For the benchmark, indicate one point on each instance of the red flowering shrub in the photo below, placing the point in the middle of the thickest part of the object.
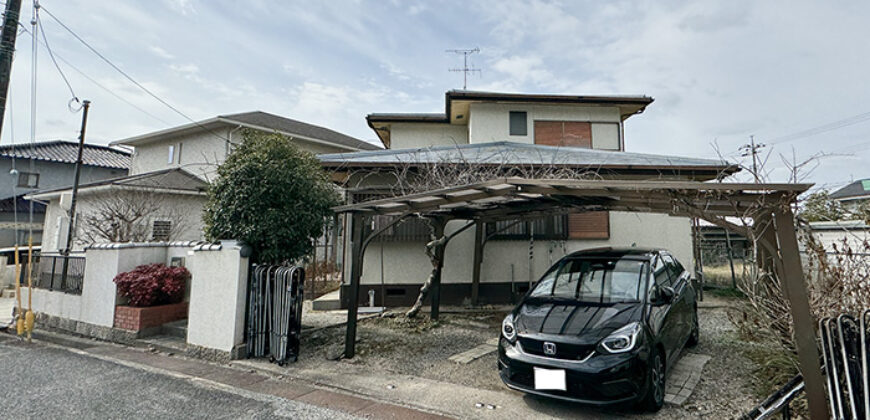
(153, 284)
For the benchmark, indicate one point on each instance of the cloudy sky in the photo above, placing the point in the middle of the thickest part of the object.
(719, 71)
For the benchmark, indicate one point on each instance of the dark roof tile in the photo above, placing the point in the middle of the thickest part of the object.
(860, 188)
(290, 126)
(67, 151)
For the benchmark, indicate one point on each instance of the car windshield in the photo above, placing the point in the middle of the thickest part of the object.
(594, 280)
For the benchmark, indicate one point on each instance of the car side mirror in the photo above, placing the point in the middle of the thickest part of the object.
(666, 294)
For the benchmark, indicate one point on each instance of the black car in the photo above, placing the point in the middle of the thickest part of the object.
(601, 327)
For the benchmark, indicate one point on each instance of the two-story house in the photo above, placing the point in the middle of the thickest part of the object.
(508, 131)
(169, 172)
(27, 167)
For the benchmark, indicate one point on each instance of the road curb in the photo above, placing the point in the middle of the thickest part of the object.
(247, 382)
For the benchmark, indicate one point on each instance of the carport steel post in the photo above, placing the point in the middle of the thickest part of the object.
(517, 198)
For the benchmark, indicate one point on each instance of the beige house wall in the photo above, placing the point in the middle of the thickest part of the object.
(504, 261)
(201, 153)
(490, 122)
(416, 135)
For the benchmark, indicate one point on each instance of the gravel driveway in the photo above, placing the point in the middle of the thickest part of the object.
(421, 348)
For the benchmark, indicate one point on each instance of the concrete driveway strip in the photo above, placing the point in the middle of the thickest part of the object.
(48, 382)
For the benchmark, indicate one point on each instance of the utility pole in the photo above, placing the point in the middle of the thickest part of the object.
(7, 50)
(86, 104)
(465, 69)
(752, 149)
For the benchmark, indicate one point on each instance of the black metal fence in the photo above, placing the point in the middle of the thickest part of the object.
(48, 273)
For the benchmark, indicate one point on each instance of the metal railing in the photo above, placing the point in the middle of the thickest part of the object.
(48, 273)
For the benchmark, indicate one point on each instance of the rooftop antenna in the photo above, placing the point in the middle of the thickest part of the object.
(465, 69)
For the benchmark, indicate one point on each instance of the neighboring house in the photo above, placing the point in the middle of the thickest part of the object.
(581, 133)
(200, 147)
(172, 167)
(28, 167)
(170, 201)
(853, 195)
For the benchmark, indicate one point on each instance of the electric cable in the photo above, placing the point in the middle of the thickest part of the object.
(132, 80)
(100, 85)
(62, 75)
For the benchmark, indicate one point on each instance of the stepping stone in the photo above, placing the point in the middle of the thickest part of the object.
(684, 377)
(469, 356)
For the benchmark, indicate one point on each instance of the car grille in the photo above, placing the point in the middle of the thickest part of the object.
(564, 351)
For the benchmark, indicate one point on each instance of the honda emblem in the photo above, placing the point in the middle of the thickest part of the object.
(549, 348)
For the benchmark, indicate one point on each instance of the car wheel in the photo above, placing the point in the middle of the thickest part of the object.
(695, 336)
(655, 394)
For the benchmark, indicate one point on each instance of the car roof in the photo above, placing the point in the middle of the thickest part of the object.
(616, 252)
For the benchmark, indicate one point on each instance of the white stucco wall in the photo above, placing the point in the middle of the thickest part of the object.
(96, 304)
(216, 315)
(408, 135)
(406, 262)
(490, 122)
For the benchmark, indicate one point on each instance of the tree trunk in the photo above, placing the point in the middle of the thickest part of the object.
(435, 251)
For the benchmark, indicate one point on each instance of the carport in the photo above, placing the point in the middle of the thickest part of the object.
(768, 206)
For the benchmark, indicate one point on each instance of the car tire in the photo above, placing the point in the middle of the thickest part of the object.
(655, 393)
(695, 336)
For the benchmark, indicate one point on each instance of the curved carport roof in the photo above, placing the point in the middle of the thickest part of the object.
(768, 205)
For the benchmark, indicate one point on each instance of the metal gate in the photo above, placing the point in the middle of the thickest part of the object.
(274, 316)
(844, 341)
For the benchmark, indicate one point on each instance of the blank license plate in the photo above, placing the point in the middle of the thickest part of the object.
(552, 379)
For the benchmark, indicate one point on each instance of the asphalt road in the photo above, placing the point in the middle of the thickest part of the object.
(40, 381)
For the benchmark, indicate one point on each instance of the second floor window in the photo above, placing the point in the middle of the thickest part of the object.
(518, 123)
(28, 180)
(171, 154)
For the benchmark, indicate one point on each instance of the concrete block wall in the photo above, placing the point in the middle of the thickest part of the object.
(216, 316)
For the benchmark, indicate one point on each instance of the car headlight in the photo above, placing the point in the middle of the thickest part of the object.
(623, 339)
(508, 330)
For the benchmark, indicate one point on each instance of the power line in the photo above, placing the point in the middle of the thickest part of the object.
(100, 85)
(51, 55)
(845, 122)
(130, 78)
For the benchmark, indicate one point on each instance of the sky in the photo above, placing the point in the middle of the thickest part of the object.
(720, 72)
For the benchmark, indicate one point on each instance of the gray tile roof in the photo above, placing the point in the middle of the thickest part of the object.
(174, 179)
(67, 151)
(287, 125)
(860, 188)
(520, 154)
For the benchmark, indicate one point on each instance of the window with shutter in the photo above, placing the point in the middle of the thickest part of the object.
(563, 133)
(589, 225)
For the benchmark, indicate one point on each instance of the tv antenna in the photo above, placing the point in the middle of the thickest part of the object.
(465, 69)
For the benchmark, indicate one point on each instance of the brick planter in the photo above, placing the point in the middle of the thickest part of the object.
(137, 319)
